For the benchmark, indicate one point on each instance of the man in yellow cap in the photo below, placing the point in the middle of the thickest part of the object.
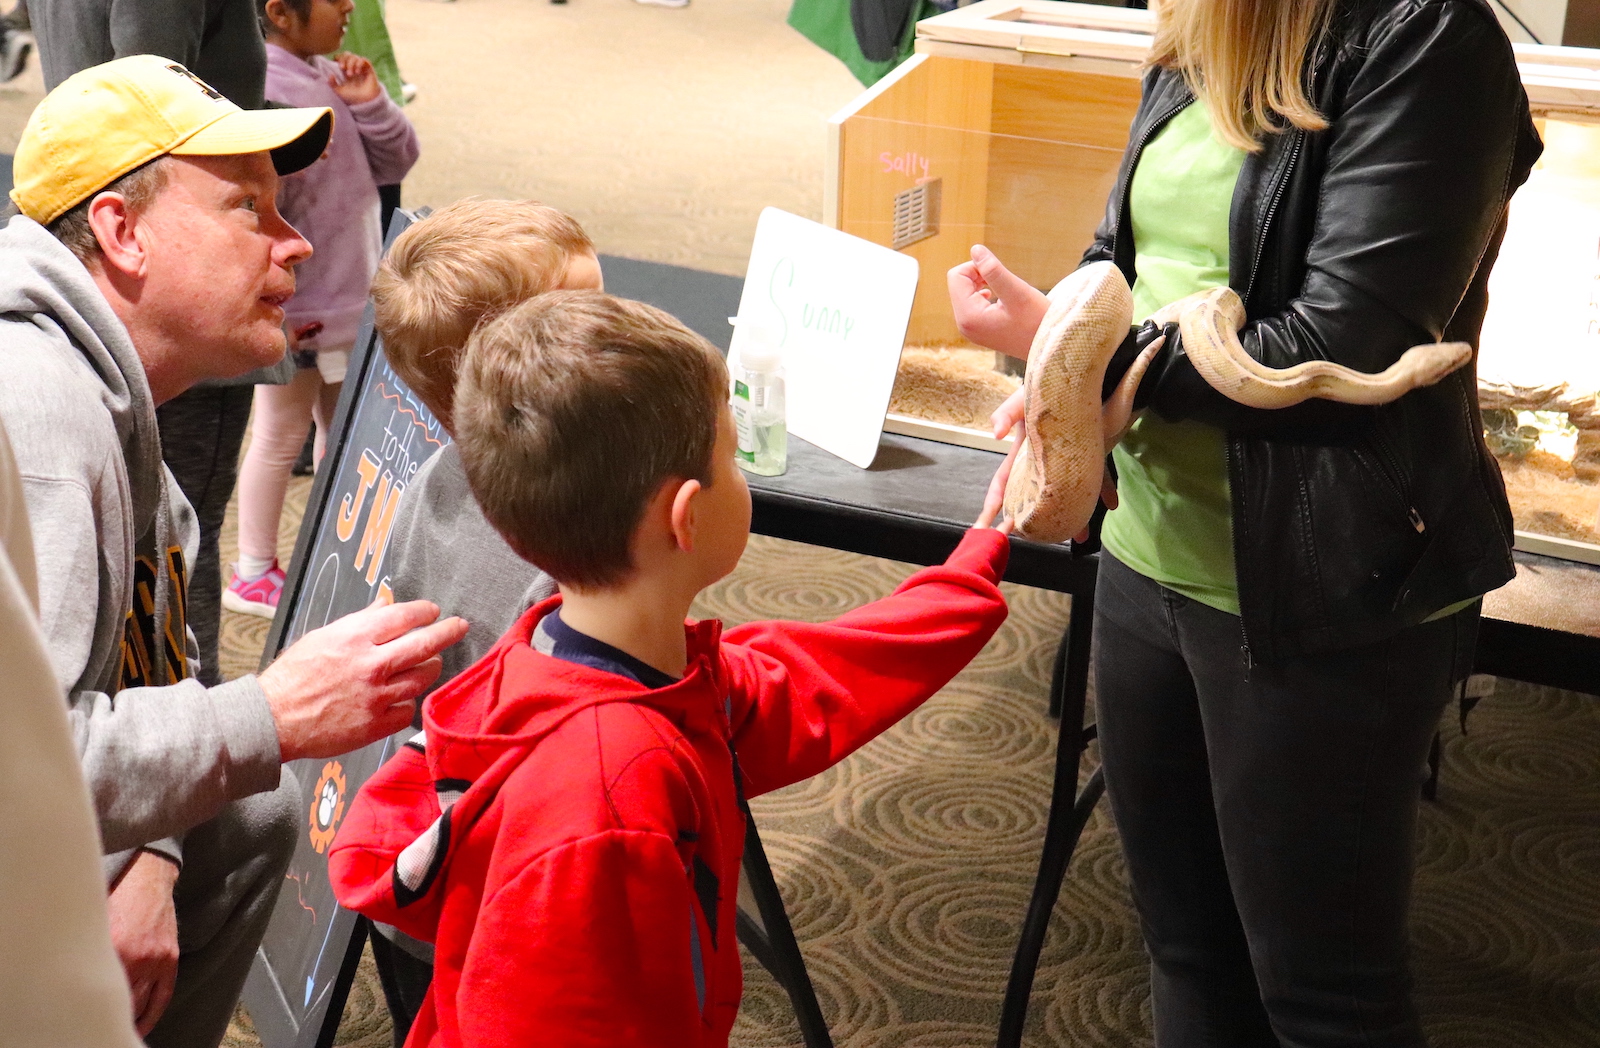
(149, 256)
(203, 429)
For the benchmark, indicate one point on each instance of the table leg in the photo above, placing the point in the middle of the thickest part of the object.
(1069, 682)
(1058, 671)
(1069, 813)
(774, 945)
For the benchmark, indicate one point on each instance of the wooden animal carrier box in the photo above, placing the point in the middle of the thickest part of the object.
(1006, 128)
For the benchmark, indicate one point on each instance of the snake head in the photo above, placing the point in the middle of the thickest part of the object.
(1434, 360)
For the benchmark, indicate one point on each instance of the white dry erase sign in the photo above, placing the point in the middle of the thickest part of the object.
(839, 306)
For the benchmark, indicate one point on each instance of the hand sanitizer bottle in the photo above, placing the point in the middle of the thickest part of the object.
(758, 410)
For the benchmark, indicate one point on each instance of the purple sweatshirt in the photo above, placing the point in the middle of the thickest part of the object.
(334, 202)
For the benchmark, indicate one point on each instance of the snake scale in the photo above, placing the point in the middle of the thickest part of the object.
(1055, 481)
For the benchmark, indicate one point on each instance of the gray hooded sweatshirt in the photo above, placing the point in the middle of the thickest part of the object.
(161, 753)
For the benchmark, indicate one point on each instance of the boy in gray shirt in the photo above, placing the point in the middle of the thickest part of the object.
(461, 265)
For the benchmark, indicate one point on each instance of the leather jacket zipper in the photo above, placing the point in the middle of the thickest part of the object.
(1144, 139)
(1272, 209)
(1244, 636)
(1383, 465)
(1386, 454)
(1278, 190)
(1244, 647)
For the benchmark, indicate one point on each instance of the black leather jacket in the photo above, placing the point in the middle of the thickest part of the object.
(1352, 244)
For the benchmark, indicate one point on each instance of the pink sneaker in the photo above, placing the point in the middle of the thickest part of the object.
(257, 596)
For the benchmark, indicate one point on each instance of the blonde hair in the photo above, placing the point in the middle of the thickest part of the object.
(453, 270)
(1246, 59)
(575, 407)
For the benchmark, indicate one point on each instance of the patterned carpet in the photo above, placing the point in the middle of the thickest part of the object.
(906, 869)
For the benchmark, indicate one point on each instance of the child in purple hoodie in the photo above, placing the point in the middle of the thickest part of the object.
(334, 203)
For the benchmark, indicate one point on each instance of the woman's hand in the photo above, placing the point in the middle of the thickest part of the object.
(1007, 418)
(994, 505)
(1108, 495)
(987, 517)
(993, 306)
(1117, 414)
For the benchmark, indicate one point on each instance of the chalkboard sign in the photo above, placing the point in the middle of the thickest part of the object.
(381, 434)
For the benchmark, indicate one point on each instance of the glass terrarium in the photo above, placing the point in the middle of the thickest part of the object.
(1539, 363)
(961, 145)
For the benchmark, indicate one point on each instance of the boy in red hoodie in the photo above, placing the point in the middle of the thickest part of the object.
(566, 829)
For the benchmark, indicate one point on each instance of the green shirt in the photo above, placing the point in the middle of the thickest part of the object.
(1174, 523)
(367, 35)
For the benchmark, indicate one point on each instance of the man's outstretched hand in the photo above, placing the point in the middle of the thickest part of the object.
(993, 306)
(356, 680)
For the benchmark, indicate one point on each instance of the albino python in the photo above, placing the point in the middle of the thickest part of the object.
(1055, 481)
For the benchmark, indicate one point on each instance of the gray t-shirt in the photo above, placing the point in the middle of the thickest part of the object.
(442, 549)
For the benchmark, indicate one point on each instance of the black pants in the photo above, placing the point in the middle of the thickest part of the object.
(201, 432)
(1268, 816)
(405, 981)
(388, 200)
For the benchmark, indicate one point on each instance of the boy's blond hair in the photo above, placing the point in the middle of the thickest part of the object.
(456, 268)
(575, 407)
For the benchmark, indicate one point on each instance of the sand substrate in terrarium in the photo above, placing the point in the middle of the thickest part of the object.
(956, 386)
(1548, 499)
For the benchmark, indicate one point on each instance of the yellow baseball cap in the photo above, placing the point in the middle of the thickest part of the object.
(101, 123)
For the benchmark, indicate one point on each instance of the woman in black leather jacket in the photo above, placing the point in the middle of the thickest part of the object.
(1264, 748)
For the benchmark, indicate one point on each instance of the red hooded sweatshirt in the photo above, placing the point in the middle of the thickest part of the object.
(570, 840)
